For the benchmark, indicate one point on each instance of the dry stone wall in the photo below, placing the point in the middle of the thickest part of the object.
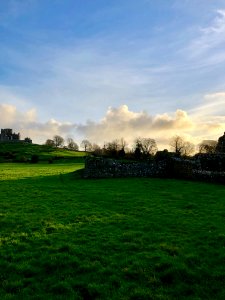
(107, 168)
(194, 169)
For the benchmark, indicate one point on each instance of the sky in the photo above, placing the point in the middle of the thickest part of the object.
(103, 70)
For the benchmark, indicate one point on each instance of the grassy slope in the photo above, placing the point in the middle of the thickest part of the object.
(63, 237)
(22, 150)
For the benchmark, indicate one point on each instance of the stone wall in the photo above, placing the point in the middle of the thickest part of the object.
(98, 167)
(211, 162)
(173, 167)
(204, 167)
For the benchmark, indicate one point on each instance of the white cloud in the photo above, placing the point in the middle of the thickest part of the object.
(9, 115)
(120, 122)
(211, 106)
(210, 38)
(203, 123)
(27, 124)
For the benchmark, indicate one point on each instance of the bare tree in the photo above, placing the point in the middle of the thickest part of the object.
(96, 149)
(146, 146)
(149, 146)
(86, 145)
(58, 140)
(207, 146)
(113, 146)
(180, 146)
(177, 144)
(188, 149)
(50, 143)
(72, 145)
(137, 143)
(122, 144)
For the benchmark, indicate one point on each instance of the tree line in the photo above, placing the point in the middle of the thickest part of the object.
(142, 147)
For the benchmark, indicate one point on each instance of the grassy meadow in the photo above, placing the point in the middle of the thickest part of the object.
(23, 152)
(64, 237)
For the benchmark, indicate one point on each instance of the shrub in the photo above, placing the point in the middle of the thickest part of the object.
(22, 159)
(34, 159)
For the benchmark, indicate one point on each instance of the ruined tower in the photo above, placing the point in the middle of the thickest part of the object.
(8, 135)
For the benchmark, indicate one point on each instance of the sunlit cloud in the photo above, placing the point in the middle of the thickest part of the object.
(121, 122)
(204, 122)
(28, 124)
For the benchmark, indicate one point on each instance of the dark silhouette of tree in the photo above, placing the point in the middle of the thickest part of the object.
(28, 140)
(121, 153)
(177, 144)
(96, 149)
(115, 148)
(72, 145)
(146, 146)
(208, 147)
(181, 147)
(221, 144)
(58, 140)
(50, 143)
(149, 146)
(111, 148)
(188, 149)
(162, 155)
(86, 145)
(137, 153)
(122, 144)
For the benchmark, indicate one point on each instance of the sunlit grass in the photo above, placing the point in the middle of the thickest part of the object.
(63, 237)
(22, 152)
(35, 170)
(67, 153)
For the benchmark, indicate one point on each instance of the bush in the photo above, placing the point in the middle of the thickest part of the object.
(163, 155)
(22, 159)
(34, 159)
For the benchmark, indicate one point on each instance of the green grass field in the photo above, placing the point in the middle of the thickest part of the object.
(21, 152)
(64, 237)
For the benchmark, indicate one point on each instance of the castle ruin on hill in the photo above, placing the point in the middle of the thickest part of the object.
(7, 135)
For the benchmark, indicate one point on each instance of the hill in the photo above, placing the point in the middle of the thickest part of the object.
(23, 152)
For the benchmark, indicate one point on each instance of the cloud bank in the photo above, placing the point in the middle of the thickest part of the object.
(27, 124)
(207, 121)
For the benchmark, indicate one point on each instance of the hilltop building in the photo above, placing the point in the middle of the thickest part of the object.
(7, 135)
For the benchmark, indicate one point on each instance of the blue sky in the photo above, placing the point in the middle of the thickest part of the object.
(102, 69)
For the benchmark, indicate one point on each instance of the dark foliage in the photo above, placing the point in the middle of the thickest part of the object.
(34, 159)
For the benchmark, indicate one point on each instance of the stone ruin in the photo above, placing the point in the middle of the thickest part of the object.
(7, 135)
